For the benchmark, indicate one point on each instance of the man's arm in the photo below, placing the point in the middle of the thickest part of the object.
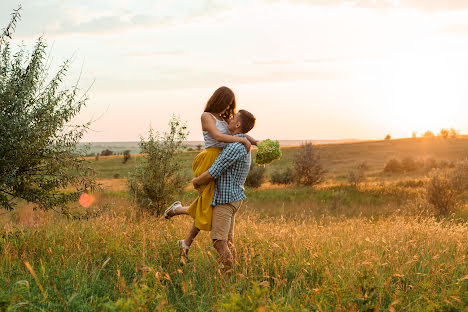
(231, 153)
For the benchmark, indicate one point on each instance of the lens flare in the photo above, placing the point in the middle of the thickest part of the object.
(86, 200)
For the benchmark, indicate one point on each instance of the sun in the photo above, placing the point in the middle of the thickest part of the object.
(418, 91)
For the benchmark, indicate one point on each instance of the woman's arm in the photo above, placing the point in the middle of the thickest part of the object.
(252, 140)
(209, 124)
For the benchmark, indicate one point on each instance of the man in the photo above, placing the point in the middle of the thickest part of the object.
(229, 172)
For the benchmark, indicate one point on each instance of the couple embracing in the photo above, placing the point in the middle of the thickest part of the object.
(220, 172)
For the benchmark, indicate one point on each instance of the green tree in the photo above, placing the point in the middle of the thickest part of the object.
(160, 178)
(39, 153)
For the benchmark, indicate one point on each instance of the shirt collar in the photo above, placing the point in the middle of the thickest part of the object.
(239, 135)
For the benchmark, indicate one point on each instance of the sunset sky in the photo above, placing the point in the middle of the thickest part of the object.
(316, 69)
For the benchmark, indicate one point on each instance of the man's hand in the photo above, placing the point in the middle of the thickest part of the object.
(196, 186)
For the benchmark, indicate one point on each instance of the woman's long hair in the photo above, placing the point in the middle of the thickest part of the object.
(222, 98)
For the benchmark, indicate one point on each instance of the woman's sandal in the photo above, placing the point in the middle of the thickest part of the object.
(173, 209)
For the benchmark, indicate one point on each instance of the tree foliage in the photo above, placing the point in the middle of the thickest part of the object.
(159, 178)
(39, 155)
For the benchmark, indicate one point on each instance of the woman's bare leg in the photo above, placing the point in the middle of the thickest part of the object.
(191, 235)
(178, 211)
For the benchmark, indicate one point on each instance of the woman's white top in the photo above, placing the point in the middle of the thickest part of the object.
(222, 127)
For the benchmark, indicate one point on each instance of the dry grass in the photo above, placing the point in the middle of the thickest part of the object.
(325, 264)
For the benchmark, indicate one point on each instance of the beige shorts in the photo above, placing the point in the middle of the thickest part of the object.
(222, 221)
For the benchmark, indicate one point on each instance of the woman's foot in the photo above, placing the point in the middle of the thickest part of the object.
(183, 251)
(171, 211)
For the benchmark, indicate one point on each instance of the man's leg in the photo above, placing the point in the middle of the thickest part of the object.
(230, 242)
(220, 225)
(222, 232)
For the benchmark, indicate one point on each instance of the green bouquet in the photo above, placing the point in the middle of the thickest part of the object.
(268, 151)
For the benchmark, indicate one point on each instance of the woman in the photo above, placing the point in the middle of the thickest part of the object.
(220, 107)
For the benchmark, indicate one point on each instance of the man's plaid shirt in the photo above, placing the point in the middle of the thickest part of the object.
(230, 171)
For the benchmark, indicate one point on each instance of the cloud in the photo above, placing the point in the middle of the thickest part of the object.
(457, 30)
(424, 5)
(155, 53)
(187, 79)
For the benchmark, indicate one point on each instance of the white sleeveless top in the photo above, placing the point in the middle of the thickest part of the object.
(222, 127)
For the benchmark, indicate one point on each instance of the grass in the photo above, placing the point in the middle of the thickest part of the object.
(122, 262)
(330, 248)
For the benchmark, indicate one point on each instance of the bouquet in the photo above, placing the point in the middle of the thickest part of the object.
(268, 151)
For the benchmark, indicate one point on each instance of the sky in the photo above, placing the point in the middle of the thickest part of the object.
(307, 69)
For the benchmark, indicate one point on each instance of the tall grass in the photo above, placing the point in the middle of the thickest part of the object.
(123, 262)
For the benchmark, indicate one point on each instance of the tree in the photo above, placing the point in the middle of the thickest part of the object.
(388, 137)
(414, 135)
(454, 133)
(159, 178)
(107, 152)
(39, 152)
(126, 156)
(444, 133)
(199, 147)
(428, 134)
(307, 165)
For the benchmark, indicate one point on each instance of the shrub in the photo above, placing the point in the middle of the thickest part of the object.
(199, 147)
(357, 175)
(307, 165)
(445, 188)
(159, 178)
(107, 152)
(388, 137)
(285, 176)
(256, 176)
(116, 175)
(408, 164)
(39, 143)
(393, 166)
(414, 135)
(126, 156)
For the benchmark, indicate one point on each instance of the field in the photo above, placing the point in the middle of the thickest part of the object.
(334, 247)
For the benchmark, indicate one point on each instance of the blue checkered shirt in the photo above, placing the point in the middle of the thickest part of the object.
(230, 171)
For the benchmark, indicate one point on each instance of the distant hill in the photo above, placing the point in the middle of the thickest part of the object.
(119, 147)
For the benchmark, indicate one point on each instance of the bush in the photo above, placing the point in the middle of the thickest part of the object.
(408, 164)
(307, 165)
(126, 156)
(388, 137)
(393, 166)
(445, 188)
(357, 175)
(256, 176)
(159, 178)
(107, 152)
(285, 176)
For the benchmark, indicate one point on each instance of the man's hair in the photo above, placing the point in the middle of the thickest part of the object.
(247, 120)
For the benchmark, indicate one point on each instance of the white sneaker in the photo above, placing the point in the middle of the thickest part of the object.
(173, 209)
(183, 252)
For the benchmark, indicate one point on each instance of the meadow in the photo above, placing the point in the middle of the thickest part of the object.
(334, 247)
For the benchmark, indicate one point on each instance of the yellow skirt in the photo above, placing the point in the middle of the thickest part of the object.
(201, 209)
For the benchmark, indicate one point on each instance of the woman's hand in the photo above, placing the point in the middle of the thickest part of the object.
(247, 144)
(196, 186)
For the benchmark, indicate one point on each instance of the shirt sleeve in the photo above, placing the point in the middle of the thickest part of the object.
(230, 154)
